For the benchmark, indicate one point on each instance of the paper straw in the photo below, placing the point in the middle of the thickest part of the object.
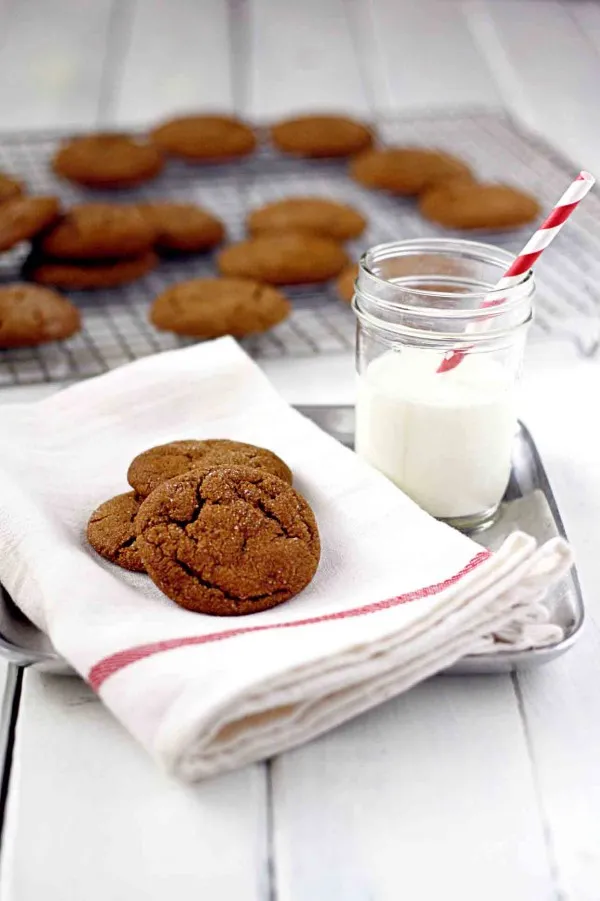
(536, 245)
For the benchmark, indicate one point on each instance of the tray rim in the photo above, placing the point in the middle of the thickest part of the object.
(509, 661)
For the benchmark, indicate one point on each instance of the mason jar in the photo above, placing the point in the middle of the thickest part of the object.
(439, 353)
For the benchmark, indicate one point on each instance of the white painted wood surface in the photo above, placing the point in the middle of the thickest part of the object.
(104, 823)
(465, 789)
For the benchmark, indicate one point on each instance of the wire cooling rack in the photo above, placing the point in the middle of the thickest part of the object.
(116, 329)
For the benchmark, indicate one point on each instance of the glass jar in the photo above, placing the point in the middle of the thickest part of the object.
(439, 354)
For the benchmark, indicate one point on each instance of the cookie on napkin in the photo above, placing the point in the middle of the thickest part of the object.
(397, 596)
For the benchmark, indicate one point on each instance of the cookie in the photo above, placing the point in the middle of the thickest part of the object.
(107, 161)
(406, 170)
(204, 139)
(344, 284)
(228, 541)
(22, 218)
(182, 227)
(9, 188)
(321, 136)
(155, 466)
(30, 315)
(465, 206)
(315, 215)
(111, 531)
(81, 275)
(289, 258)
(212, 307)
(94, 231)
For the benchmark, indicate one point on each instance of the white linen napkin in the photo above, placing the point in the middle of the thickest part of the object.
(397, 597)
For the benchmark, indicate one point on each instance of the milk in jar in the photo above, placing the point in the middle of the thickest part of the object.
(444, 438)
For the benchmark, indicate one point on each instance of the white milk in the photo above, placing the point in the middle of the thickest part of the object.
(444, 438)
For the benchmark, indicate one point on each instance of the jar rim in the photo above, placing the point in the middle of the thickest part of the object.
(474, 250)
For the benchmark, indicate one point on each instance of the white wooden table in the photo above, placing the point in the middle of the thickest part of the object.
(470, 788)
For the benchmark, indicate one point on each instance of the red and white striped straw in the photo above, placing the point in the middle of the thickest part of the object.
(538, 242)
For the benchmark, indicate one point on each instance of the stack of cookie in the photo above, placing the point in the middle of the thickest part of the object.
(216, 525)
(102, 245)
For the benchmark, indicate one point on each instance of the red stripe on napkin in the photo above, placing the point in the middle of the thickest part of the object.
(101, 671)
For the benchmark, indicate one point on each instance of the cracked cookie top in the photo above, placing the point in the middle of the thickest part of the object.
(228, 541)
(111, 531)
(154, 466)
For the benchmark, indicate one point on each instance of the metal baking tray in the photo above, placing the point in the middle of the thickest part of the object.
(529, 505)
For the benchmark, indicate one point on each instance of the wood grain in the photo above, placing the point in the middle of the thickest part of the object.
(540, 49)
(177, 59)
(430, 796)
(562, 703)
(51, 62)
(301, 58)
(423, 55)
(90, 816)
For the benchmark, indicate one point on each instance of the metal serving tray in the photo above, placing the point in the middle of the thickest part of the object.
(529, 505)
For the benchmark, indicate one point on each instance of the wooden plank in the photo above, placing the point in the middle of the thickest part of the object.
(301, 58)
(547, 69)
(561, 703)
(90, 816)
(430, 796)
(177, 58)
(51, 62)
(586, 15)
(423, 55)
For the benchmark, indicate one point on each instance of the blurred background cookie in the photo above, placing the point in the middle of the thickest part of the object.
(204, 139)
(10, 187)
(406, 170)
(212, 307)
(344, 284)
(287, 258)
(30, 315)
(22, 218)
(107, 161)
(471, 205)
(81, 275)
(317, 215)
(182, 227)
(93, 231)
(321, 136)
(111, 531)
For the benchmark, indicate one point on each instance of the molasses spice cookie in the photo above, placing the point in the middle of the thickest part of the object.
(22, 218)
(228, 541)
(111, 531)
(83, 275)
(406, 170)
(182, 227)
(213, 307)
(316, 215)
(321, 136)
(478, 206)
(30, 315)
(204, 139)
(284, 259)
(107, 161)
(158, 464)
(93, 231)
